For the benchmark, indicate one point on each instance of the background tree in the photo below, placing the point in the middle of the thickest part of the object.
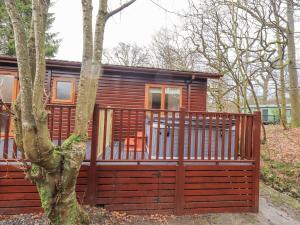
(127, 54)
(7, 44)
(53, 168)
(171, 50)
(279, 15)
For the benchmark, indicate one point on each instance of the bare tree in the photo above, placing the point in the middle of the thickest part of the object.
(171, 50)
(282, 20)
(54, 169)
(230, 43)
(127, 54)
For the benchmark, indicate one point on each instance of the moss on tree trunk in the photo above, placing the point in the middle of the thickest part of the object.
(57, 190)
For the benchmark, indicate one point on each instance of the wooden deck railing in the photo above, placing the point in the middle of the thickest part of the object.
(149, 161)
(123, 134)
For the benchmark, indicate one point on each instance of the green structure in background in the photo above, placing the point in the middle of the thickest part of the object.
(270, 113)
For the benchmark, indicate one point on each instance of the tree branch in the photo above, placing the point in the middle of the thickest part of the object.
(119, 9)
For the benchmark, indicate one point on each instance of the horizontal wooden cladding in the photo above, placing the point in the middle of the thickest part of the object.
(136, 174)
(137, 189)
(19, 195)
(129, 91)
(132, 200)
(139, 180)
(220, 188)
(198, 96)
(145, 206)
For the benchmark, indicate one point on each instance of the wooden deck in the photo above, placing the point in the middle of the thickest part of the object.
(194, 162)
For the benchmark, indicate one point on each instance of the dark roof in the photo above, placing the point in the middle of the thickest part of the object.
(63, 64)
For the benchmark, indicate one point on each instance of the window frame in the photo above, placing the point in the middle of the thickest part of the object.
(53, 90)
(163, 94)
(15, 91)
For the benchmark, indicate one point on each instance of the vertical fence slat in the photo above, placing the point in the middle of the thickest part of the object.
(190, 135)
(230, 136)
(69, 121)
(223, 137)
(217, 137)
(144, 135)
(51, 122)
(60, 125)
(242, 147)
(248, 141)
(210, 136)
(92, 184)
(112, 146)
(196, 135)
(203, 135)
(180, 171)
(158, 135)
(256, 156)
(128, 134)
(165, 135)
(135, 133)
(15, 150)
(173, 135)
(6, 136)
(121, 134)
(104, 134)
(151, 135)
(237, 136)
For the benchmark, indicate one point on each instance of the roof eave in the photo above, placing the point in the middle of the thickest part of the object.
(60, 64)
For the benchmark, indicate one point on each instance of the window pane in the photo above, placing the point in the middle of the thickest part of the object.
(154, 101)
(6, 88)
(172, 98)
(63, 90)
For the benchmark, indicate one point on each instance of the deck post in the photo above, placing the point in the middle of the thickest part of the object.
(256, 156)
(91, 190)
(180, 171)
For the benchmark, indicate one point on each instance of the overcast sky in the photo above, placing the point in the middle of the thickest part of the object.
(137, 24)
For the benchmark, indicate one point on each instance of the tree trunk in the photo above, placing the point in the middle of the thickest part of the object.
(264, 137)
(265, 89)
(57, 189)
(54, 169)
(282, 89)
(293, 77)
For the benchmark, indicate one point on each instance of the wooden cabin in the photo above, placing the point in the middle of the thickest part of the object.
(134, 87)
(153, 147)
(119, 87)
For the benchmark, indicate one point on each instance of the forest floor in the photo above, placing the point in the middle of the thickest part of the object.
(280, 167)
(275, 209)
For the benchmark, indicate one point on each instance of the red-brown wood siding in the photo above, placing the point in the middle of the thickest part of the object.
(129, 91)
(19, 195)
(198, 96)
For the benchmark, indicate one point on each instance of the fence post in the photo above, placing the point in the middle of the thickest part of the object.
(256, 156)
(91, 190)
(180, 170)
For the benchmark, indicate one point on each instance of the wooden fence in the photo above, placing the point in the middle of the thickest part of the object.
(150, 161)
